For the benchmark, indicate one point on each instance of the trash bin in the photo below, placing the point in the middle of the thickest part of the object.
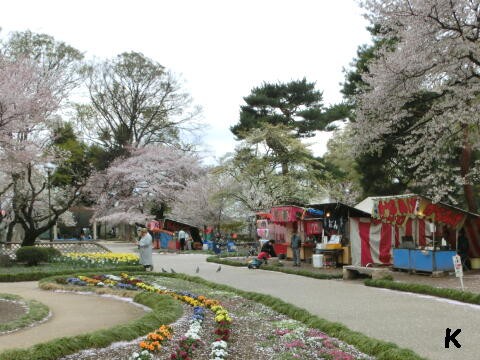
(475, 263)
(317, 260)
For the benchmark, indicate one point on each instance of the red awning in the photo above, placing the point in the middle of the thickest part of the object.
(398, 210)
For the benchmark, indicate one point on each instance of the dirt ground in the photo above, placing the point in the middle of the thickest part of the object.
(471, 279)
(10, 310)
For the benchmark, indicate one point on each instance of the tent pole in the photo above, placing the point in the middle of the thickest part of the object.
(416, 233)
(456, 240)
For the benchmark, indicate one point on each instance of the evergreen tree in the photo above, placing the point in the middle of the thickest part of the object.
(296, 106)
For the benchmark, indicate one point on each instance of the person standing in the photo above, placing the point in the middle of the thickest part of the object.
(295, 244)
(182, 235)
(188, 242)
(462, 249)
(145, 249)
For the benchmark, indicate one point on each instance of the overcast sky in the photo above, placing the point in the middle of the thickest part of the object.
(221, 49)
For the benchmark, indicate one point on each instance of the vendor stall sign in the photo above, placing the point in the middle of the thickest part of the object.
(153, 226)
(284, 214)
(457, 264)
(442, 214)
(397, 211)
(313, 227)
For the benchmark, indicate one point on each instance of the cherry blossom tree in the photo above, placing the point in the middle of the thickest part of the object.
(422, 92)
(29, 97)
(132, 188)
(206, 200)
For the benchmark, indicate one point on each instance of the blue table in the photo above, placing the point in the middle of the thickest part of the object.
(423, 260)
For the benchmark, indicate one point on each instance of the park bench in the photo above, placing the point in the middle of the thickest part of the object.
(351, 272)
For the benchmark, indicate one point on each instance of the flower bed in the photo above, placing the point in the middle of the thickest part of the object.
(99, 259)
(104, 280)
(257, 333)
(191, 340)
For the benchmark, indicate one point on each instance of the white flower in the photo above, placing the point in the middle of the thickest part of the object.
(219, 353)
(219, 344)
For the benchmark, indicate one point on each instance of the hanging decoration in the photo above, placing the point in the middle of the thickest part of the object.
(398, 210)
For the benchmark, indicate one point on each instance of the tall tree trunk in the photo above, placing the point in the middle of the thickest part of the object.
(29, 239)
(11, 226)
(465, 163)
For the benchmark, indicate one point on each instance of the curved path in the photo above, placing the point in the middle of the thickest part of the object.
(72, 314)
(410, 321)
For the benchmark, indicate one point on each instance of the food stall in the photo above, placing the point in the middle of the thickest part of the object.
(322, 229)
(164, 230)
(411, 232)
(334, 242)
(280, 222)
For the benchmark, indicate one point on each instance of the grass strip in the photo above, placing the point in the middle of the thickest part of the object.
(453, 294)
(165, 310)
(382, 350)
(40, 273)
(306, 273)
(36, 312)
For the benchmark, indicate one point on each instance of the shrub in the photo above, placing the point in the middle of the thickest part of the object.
(387, 277)
(5, 261)
(52, 253)
(32, 255)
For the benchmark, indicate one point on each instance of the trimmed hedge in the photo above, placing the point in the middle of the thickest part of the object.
(32, 255)
(452, 294)
(165, 310)
(307, 273)
(34, 276)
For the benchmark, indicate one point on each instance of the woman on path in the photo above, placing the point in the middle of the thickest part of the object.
(145, 249)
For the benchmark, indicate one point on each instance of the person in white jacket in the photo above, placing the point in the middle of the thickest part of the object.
(145, 249)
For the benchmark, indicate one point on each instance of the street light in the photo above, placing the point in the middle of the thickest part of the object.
(49, 167)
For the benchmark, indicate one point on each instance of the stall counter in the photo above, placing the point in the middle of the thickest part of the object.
(423, 260)
(306, 251)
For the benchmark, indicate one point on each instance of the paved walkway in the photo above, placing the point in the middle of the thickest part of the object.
(72, 314)
(410, 321)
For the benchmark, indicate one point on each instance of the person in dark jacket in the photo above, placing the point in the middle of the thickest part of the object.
(295, 244)
(462, 249)
(268, 248)
(267, 251)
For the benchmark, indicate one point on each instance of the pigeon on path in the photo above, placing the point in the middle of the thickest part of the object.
(163, 270)
(197, 270)
(219, 268)
(172, 271)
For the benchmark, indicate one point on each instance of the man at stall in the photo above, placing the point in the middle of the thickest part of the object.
(462, 249)
(295, 244)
